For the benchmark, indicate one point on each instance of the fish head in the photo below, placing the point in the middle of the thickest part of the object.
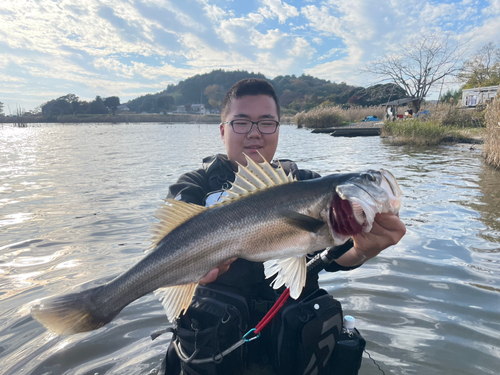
(357, 200)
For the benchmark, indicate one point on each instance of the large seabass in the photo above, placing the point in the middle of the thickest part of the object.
(266, 217)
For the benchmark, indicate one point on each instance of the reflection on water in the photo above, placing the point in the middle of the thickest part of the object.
(76, 202)
(489, 207)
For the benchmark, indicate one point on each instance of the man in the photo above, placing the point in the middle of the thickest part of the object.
(250, 125)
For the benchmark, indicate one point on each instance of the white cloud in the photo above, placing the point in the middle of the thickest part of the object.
(213, 11)
(302, 49)
(332, 52)
(321, 20)
(282, 10)
(236, 30)
(131, 47)
(267, 41)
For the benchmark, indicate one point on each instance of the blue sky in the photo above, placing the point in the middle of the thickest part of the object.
(49, 48)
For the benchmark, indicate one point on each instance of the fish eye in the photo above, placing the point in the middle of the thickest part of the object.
(368, 176)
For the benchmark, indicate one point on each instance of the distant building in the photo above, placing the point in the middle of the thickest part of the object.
(478, 95)
(199, 109)
(123, 108)
(180, 109)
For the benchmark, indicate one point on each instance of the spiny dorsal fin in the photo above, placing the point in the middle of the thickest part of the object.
(256, 176)
(176, 299)
(171, 214)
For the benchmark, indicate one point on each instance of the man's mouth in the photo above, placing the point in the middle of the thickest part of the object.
(253, 147)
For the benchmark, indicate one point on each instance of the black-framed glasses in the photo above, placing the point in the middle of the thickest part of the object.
(245, 126)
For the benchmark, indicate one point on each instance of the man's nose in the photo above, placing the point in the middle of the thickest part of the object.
(254, 132)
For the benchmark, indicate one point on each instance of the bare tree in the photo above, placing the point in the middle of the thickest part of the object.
(482, 68)
(421, 64)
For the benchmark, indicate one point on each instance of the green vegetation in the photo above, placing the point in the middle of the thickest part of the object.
(295, 94)
(447, 123)
(417, 132)
(112, 103)
(492, 140)
(71, 105)
(451, 97)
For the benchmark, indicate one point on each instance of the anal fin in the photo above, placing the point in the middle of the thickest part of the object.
(176, 299)
(292, 273)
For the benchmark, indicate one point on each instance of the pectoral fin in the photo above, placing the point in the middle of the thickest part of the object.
(291, 272)
(301, 221)
(176, 299)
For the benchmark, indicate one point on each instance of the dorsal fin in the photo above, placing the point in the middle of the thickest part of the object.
(256, 176)
(171, 214)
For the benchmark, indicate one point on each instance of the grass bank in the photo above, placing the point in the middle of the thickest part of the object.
(119, 118)
(491, 148)
(445, 124)
(327, 117)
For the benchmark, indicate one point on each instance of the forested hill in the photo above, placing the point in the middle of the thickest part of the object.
(295, 93)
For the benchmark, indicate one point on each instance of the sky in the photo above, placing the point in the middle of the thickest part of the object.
(128, 48)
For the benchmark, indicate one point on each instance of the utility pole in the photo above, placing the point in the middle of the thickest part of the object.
(439, 97)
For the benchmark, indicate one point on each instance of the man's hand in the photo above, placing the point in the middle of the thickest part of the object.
(387, 230)
(212, 275)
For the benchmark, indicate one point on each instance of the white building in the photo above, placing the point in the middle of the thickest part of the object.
(180, 109)
(479, 95)
(199, 109)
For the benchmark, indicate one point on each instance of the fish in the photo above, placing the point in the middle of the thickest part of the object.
(267, 216)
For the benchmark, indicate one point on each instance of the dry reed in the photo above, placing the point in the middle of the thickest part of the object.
(331, 116)
(450, 115)
(491, 148)
(415, 132)
(320, 117)
(444, 124)
(357, 113)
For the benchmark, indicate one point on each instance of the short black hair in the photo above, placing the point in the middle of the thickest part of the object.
(247, 87)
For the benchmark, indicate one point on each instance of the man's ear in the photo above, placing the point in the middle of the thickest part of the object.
(222, 130)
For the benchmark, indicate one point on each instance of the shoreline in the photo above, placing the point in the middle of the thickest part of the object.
(208, 119)
(119, 118)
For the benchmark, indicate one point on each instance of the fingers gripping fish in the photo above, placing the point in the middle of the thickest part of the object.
(267, 217)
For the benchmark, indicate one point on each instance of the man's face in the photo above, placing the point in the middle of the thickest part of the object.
(254, 108)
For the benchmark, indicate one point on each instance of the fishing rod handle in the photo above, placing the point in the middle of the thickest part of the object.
(321, 260)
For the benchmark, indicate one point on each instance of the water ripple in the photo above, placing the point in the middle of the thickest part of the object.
(76, 202)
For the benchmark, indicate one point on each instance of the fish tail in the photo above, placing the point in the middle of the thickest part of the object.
(72, 313)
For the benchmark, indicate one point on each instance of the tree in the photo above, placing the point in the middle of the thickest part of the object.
(97, 106)
(288, 97)
(482, 69)
(112, 102)
(63, 105)
(215, 94)
(421, 65)
(451, 96)
(165, 102)
(149, 104)
(1, 109)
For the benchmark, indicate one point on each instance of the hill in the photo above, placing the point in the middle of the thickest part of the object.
(295, 93)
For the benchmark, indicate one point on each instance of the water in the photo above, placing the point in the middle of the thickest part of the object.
(76, 202)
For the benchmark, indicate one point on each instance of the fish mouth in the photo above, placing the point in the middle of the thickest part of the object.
(356, 202)
(346, 218)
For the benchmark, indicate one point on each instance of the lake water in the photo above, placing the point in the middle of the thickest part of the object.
(76, 202)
